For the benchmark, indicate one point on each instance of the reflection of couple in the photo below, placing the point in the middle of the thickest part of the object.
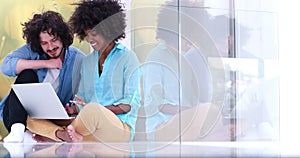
(178, 84)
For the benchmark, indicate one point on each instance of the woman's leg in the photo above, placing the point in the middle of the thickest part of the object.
(14, 114)
(97, 123)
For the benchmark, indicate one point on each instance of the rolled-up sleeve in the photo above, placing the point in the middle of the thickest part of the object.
(132, 79)
(9, 63)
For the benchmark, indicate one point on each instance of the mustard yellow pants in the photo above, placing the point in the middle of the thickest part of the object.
(94, 122)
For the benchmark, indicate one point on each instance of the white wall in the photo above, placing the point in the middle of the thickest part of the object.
(289, 52)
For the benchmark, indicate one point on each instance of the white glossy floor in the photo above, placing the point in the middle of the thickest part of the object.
(146, 149)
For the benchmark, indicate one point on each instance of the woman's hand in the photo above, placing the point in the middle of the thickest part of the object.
(74, 109)
(78, 101)
(71, 109)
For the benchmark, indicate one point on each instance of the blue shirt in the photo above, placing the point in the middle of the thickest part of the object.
(118, 83)
(69, 76)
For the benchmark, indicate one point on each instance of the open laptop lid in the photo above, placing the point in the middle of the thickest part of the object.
(40, 101)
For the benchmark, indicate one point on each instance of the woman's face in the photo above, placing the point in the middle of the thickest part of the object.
(96, 40)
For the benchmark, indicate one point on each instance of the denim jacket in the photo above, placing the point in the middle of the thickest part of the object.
(69, 76)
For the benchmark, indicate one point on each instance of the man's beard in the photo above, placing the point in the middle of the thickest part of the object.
(54, 49)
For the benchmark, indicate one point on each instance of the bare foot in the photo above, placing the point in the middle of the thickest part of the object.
(40, 138)
(63, 135)
(75, 137)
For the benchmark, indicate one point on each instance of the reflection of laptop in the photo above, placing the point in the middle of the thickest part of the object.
(40, 101)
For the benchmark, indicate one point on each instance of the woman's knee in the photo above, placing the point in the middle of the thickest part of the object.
(92, 108)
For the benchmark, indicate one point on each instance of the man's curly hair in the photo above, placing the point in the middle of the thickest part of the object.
(49, 21)
(102, 16)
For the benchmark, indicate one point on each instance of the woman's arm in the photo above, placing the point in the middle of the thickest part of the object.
(119, 109)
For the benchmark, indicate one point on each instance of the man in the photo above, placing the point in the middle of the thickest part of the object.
(47, 57)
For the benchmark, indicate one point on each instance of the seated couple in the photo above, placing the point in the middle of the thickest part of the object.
(106, 79)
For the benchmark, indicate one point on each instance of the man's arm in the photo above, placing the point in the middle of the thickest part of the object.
(24, 58)
(23, 64)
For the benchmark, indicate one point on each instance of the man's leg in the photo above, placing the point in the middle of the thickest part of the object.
(14, 114)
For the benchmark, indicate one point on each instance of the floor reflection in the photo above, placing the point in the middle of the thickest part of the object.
(141, 149)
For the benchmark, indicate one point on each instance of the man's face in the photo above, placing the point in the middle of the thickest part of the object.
(51, 44)
(95, 40)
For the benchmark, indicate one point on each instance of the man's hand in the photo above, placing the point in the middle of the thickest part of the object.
(54, 63)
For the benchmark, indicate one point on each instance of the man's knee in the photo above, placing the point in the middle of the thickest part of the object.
(27, 76)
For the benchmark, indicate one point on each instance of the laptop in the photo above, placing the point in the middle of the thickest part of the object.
(40, 101)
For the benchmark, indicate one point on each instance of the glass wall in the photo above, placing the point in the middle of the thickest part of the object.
(209, 70)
